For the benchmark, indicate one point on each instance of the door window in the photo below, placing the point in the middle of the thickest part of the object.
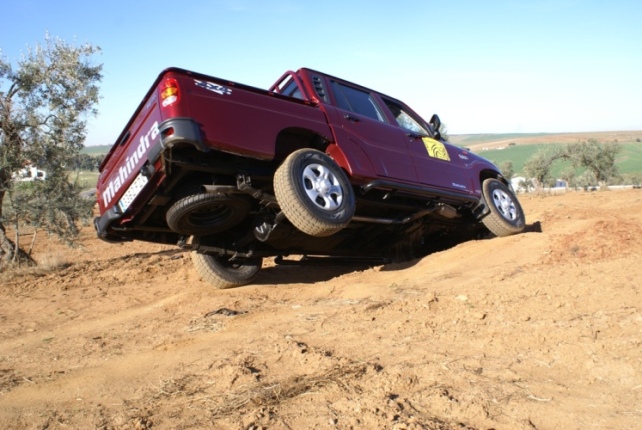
(406, 119)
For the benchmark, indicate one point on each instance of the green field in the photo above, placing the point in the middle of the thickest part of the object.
(96, 150)
(86, 180)
(629, 160)
(518, 155)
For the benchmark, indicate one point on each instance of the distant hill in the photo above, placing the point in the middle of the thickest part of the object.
(479, 142)
(518, 148)
(96, 150)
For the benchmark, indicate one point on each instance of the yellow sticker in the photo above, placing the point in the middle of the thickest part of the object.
(436, 149)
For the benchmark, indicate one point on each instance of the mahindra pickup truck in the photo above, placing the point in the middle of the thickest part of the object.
(315, 166)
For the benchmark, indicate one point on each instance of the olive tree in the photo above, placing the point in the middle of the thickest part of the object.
(598, 158)
(538, 167)
(507, 170)
(46, 98)
(569, 175)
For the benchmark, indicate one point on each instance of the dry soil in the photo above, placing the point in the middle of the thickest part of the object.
(541, 330)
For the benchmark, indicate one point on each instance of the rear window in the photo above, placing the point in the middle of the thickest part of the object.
(357, 101)
(292, 89)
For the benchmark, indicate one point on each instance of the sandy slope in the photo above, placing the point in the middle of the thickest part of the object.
(538, 331)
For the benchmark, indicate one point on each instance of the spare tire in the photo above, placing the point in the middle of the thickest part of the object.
(205, 213)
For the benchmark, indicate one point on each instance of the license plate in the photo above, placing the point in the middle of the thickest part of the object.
(132, 192)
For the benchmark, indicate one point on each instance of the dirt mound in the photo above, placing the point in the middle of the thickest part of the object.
(539, 330)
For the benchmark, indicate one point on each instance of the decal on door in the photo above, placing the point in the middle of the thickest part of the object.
(436, 149)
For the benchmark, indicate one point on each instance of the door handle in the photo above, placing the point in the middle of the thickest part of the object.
(415, 136)
(351, 118)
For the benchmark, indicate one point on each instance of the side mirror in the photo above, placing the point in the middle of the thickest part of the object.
(435, 123)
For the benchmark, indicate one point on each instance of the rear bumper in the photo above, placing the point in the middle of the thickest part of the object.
(102, 223)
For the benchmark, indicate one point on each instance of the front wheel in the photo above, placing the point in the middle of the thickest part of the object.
(506, 216)
(314, 193)
(223, 273)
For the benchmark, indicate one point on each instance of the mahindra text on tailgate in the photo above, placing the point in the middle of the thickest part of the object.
(124, 184)
(123, 177)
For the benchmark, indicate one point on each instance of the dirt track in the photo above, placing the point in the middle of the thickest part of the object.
(537, 331)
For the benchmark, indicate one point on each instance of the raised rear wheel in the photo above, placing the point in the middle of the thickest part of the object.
(314, 193)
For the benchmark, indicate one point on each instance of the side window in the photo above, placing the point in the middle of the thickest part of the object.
(357, 101)
(405, 119)
(292, 89)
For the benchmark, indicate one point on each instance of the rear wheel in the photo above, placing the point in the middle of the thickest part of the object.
(506, 216)
(314, 193)
(223, 273)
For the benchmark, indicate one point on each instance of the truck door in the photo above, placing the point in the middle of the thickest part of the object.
(440, 164)
(436, 163)
(366, 124)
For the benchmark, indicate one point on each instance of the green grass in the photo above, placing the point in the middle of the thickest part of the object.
(629, 160)
(86, 179)
(518, 155)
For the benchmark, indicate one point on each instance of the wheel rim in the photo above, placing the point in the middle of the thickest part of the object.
(505, 204)
(322, 187)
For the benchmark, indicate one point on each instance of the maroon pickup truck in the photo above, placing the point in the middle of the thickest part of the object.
(315, 166)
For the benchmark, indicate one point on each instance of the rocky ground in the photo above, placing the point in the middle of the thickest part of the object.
(541, 330)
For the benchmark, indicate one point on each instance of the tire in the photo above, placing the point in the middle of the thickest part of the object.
(314, 193)
(506, 216)
(221, 273)
(204, 213)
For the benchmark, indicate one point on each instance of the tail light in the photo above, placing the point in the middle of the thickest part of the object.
(170, 92)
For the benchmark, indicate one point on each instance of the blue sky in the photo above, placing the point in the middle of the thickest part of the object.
(496, 66)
